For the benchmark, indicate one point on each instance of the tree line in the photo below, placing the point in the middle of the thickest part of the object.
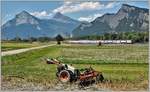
(33, 39)
(137, 37)
(58, 38)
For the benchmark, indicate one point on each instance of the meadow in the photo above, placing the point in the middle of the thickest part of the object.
(5, 46)
(125, 67)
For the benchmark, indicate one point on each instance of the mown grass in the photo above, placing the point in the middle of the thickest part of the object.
(121, 64)
(5, 46)
(30, 66)
(105, 54)
(124, 72)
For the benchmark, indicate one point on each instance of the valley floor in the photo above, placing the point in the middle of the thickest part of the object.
(125, 67)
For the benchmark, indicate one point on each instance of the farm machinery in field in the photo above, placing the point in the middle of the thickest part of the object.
(67, 73)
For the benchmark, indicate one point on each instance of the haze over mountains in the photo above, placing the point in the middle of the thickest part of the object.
(128, 18)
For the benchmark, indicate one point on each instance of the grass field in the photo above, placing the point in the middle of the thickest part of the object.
(125, 67)
(5, 46)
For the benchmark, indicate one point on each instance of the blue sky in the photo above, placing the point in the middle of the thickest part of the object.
(84, 11)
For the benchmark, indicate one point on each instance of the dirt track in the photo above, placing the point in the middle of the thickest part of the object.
(11, 52)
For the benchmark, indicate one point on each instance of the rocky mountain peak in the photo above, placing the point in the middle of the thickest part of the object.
(25, 17)
(127, 8)
(58, 15)
(128, 18)
(130, 8)
(23, 14)
(62, 18)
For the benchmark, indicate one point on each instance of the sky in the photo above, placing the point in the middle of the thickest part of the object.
(79, 10)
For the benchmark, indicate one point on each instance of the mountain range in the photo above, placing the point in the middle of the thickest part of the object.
(128, 18)
(25, 25)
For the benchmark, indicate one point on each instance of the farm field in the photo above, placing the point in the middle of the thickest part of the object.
(5, 46)
(125, 67)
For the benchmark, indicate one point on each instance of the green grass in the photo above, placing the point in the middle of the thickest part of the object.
(5, 46)
(121, 64)
(30, 66)
(122, 72)
(105, 54)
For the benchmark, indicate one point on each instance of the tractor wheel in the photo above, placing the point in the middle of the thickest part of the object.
(99, 78)
(64, 76)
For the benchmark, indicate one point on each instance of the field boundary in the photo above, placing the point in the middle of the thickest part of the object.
(12, 52)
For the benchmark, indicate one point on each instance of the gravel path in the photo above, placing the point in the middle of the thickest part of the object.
(11, 52)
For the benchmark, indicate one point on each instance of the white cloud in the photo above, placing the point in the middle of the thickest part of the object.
(90, 18)
(40, 14)
(67, 2)
(110, 5)
(69, 7)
